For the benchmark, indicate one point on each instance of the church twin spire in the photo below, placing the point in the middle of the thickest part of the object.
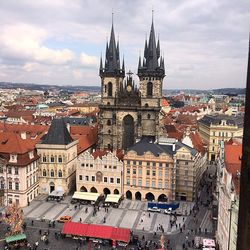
(112, 58)
(151, 64)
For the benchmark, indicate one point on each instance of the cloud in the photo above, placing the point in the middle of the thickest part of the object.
(204, 42)
(87, 60)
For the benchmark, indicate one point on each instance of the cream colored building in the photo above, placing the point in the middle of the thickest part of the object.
(216, 128)
(228, 186)
(149, 172)
(18, 170)
(100, 171)
(58, 158)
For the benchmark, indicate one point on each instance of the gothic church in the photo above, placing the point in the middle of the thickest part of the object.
(128, 114)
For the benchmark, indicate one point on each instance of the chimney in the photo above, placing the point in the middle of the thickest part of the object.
(23, 135)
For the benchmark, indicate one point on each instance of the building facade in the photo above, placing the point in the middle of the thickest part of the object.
(18, 170)
(100, 172)
(58, 156)
(229, 166)
(127, 112)
(216, 128)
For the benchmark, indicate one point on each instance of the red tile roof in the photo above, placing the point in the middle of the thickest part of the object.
(100, 153)
(233, 154)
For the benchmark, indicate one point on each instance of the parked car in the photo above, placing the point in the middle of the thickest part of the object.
(154, 209)
(168, 211)
(64, 219)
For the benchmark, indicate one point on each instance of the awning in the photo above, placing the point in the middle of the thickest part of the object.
(14, 238)
(96, 231)
(85, 196)
(113, 198)
(57, 193)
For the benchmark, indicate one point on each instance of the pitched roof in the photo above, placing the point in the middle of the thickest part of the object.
(58, 134)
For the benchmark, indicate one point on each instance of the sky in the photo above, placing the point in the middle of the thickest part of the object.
(204, 42)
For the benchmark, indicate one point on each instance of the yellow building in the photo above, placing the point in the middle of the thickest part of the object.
(216, 128)
(58, 155)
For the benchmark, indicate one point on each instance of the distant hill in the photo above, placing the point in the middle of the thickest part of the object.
(69, 88)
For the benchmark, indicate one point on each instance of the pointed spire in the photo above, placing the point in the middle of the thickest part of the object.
(158, 50)
(101, 66)
(123, 65)
(139, 63)
(146, 48)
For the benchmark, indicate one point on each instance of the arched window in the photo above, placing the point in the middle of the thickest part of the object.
(146, 105)
(110, 90)
(149, 116)
(52, 173)
(44, 172)
(59, 158)
(149, 89)
(108, 122)
(109, 131)
(60, 173)
(52, 158)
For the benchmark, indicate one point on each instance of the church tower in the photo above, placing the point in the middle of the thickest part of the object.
(126, 112)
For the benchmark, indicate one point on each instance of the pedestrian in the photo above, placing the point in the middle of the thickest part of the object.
(149, 215)
(40, 231)
(32, 222)
(80, 220)
(143, 237)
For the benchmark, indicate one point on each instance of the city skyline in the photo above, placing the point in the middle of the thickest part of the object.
(204, 43)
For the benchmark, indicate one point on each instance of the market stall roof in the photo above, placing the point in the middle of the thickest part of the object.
(113, 198)
(96, 231)
(14, 238)
(57, 193)
(86, 196)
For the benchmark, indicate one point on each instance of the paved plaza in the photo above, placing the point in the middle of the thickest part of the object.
(130, 214)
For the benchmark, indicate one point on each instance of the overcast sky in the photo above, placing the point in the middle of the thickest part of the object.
(204, 42)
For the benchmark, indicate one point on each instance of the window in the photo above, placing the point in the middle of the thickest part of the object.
(86, 178)
(108, 122)
(1, 169)
(128, 162)
(60, 158)
(105, 166)
(140, 183)
(148, 163)
(10, 184)
(17, 185)
(44, 158)
(140, 163)
(134, 162)
(160, 173)
(91, 165)
(186, 162)
(160, 184)
(186, 172)
(80, 177)
(93, 178)
(2, 184)
(147, 183)
(114, 167)
(16, 170)
(134, 171)
(149, 89)
(149, 116)
(153, 183)
(52, 173)
(105, 179)
(60, 173)
(128, 181)
(110, 89)
(154, 164)
(160, 164)
(118, 180)
(134, 182)
(154, 173)
(148, 172)
(111, 180)
(44, 172)
(9, 170)
(140, 171)
(52, 159)
(128, 170)
(83, 165)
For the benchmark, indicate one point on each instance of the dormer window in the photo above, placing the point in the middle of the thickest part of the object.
(13, 158)
(31, 154)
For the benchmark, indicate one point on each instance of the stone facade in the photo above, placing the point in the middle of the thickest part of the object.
(100, 171)
(57, 167)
